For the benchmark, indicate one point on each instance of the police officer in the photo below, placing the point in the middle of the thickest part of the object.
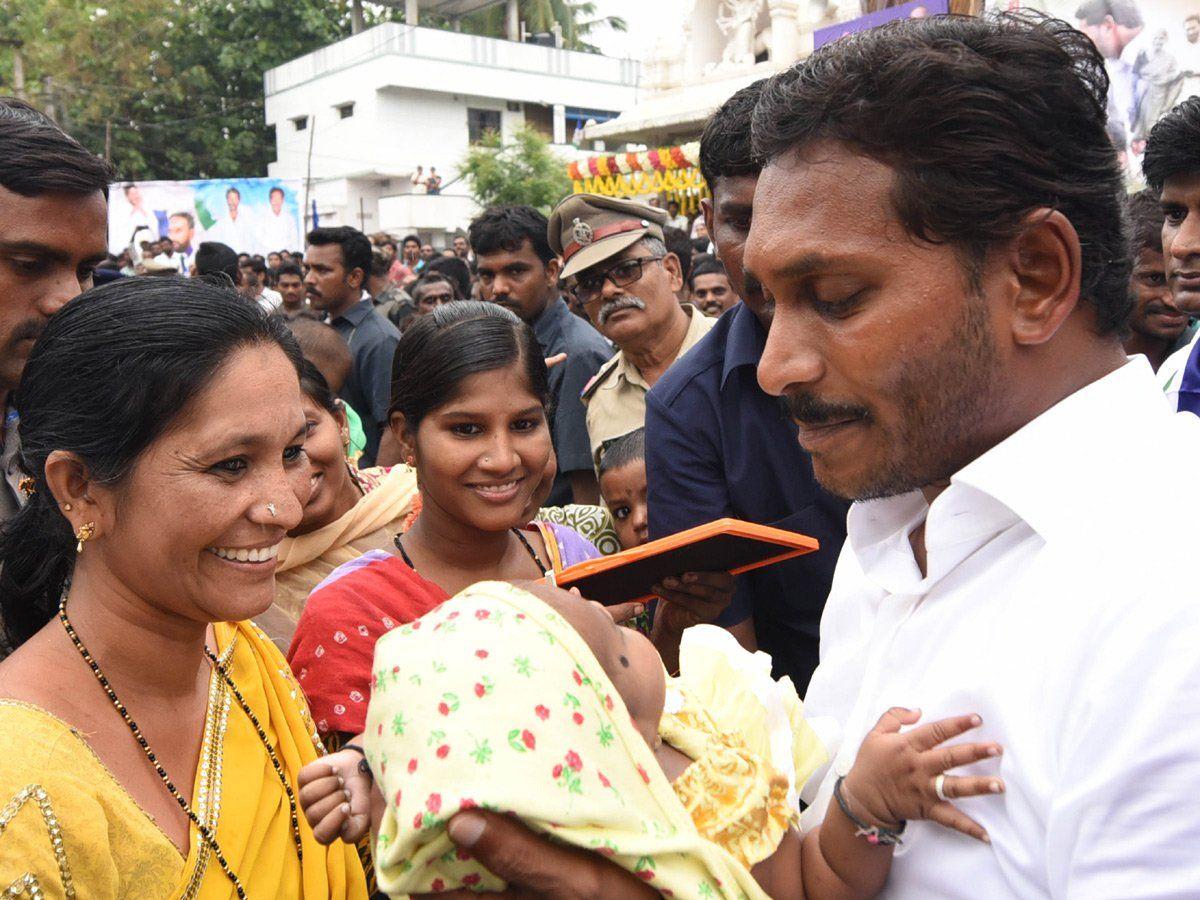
(626, 281)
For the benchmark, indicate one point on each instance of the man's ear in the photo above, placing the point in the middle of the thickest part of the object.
(1045, 266)
(706, 210)
(674, 271)
(553, 267)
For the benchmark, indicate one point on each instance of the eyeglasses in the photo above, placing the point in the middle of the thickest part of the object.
(589, 285)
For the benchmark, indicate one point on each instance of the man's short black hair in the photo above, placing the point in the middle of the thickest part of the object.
(983, 121)
(1194, 17)
(128, 186)
(680, 244)
(725, 143)
(256, 265)
(276, 190)
(186, 216)
(289, 268)
(705, 265)
(1145, 222)
(620, 452)
(215, 258)
(232, 190)
(507, 228)
(454, 269)
(37, 157)
(380, 264)
(356, 247)
(1174, 144)
(1124, 12)
(413, 238)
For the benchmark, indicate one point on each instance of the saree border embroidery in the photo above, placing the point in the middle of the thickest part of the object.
(208, 794)
(27, 882)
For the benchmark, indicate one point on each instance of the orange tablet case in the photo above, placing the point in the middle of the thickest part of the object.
(728, 545)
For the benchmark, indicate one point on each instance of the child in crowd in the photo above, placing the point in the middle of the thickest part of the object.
(623, 487)
(542, 707)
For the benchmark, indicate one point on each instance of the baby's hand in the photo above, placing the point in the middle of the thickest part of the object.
(895, 776)
(335, 793)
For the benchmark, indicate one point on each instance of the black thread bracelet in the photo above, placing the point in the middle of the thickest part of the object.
(875, 834)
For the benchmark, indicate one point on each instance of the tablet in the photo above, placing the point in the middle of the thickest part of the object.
(726, 545)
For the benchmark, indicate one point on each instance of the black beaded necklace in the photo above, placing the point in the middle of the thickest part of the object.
(524, 542)
(206, 833)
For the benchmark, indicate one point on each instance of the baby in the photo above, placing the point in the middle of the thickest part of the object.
(542, 707)
(623, 487)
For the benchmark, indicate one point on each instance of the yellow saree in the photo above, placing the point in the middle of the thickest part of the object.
(69, 829)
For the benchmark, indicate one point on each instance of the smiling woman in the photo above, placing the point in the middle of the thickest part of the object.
(150, 734)
(469, 398)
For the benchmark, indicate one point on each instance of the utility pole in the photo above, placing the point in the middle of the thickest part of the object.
(108, 140)
(356, 16)
(18, 65)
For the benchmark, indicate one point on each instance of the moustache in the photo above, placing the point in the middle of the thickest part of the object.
(808, 410)
(615, 306)
(29, 330)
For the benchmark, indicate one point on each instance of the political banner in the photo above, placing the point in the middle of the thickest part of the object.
(251, 215)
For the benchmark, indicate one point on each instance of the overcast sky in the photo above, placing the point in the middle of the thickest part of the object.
(646, 22)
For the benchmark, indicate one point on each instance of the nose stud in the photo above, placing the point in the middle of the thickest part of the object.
(271, 510)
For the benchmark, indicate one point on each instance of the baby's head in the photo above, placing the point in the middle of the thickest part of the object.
(623, 487)
(626, 655)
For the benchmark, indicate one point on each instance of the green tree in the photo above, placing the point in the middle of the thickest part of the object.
(524, 170)
(578, 20)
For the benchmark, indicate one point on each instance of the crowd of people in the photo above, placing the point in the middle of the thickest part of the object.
(280, 535)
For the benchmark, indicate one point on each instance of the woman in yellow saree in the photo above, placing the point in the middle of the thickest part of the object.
(150, 738)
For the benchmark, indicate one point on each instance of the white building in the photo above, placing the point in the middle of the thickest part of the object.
(356, 118)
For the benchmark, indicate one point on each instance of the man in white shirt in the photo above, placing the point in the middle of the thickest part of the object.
(944, 250)
(279, 229)
(235, 229)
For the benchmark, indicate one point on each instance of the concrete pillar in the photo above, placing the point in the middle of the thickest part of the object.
(560, 124)
(785, 35)
(512, 20)
(356, 17)
(410, 12)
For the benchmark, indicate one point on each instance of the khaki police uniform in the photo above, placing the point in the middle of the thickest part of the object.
(586, 230)
(616, 396)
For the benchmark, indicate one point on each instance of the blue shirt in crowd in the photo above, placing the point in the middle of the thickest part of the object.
(372, 340)
(559, 330)
(717, 445)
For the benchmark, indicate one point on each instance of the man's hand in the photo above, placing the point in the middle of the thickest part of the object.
(535, 867)
(703, 596)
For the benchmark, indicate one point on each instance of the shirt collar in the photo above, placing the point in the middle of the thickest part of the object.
(1050, 474)
(746, 341)
(697, 328)
(546, 325)
(359, 311)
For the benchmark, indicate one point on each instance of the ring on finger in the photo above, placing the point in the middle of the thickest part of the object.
(939, 787)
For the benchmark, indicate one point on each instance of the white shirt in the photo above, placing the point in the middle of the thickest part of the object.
(1062, 605)
(680, 221)
(279, 231)
(1170, 373)
(270, 300)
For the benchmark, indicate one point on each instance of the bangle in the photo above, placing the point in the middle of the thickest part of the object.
(875, 834)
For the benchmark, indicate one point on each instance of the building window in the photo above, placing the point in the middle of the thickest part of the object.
(346, 110)
(300, 123)
(480, 122)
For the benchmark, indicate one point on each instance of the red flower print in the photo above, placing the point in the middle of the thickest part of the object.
(482, 614)
(379, 730)
(434, 803)
(528, 739)
(443, 751)
(415, 625)
(642, 772)
(520, 615)
(444, 709)
(574, 761)
(417, 821)
(453, 615)
(578, 678)
(480, 690)
(467, 803)
(482, 654)
(542, 712)
(437, 885)
(395, 670)
(604, 781)
(473, 878)
(461, 854)
(577, 718)
(608, 701)
(412, 765)
(644, 874)
(556, 771)
(397, 798)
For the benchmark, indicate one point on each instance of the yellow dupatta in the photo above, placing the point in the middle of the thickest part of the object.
(67, 822)
(239, 794)
(305, 561)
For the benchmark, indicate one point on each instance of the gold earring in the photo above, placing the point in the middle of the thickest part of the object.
(345, 437)
(27, 486)
(86, 532)
(66, 507)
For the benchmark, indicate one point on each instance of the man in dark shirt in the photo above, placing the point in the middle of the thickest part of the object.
(718, 445)
(337, 263)
(518, 270)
